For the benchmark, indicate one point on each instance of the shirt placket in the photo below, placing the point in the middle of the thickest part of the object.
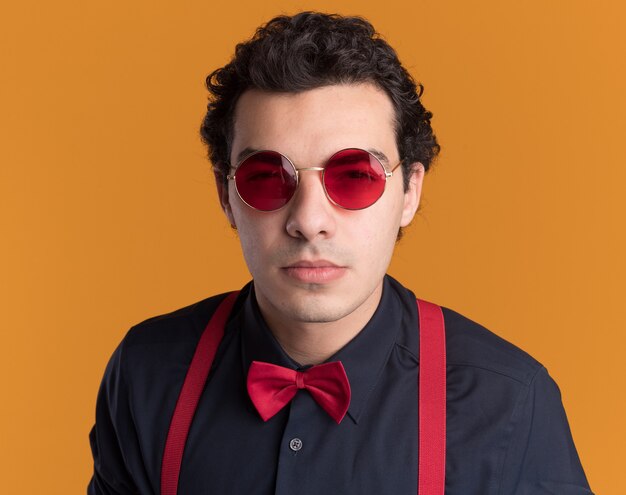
(297, 455)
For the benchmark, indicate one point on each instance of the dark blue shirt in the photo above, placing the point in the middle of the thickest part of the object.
(507, 432)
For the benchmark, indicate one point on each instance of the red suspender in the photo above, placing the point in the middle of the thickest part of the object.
(190, 395)
(432, 398)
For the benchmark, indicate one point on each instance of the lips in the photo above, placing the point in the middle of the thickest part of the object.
(315, 271)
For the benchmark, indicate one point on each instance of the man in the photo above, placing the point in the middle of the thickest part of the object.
(320, 145)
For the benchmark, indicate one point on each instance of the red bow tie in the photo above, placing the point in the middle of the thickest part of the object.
(271, 387)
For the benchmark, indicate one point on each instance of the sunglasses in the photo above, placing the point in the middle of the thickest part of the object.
(353, 179)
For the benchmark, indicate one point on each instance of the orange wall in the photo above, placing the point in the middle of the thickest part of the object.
(109, 216)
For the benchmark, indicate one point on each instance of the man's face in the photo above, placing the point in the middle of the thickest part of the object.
(313, 261)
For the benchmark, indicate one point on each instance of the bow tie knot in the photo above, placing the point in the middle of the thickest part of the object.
(272, 387)
(299, 379)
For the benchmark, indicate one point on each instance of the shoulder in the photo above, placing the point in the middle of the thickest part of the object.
(469, 343)
(185, 324)
(164, 342)
(159, 349)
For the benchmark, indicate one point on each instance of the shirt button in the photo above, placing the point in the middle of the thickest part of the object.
(295, 444)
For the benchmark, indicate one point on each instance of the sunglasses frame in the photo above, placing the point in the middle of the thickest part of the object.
(388, 175)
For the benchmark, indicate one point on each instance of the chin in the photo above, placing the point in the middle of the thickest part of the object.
(316, 310)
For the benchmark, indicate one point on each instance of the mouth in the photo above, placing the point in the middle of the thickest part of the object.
(315, 271)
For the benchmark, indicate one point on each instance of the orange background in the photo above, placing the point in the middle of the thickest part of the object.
(109, 215)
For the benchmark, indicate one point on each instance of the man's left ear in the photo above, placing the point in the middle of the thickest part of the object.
(412, 194)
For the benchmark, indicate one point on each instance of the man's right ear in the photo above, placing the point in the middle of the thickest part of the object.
(222, 193)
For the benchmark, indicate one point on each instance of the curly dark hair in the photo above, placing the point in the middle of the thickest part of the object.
(310, 50)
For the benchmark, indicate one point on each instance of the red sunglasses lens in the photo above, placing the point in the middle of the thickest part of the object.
(266, 180)
(354, 179)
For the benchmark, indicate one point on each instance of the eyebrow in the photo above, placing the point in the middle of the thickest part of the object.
(248, 151)
(380, 155)
(245, 152)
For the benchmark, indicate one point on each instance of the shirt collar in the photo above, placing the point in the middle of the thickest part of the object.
(363, 357)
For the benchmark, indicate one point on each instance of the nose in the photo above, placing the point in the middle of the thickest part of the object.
(311, 215)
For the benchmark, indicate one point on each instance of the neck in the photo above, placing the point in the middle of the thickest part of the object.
(310, 343)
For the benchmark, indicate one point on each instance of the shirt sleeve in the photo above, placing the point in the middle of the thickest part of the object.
(113, 437)
(541, 457)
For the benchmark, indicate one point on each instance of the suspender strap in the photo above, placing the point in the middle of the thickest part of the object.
(190, 395)
(432, 400)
